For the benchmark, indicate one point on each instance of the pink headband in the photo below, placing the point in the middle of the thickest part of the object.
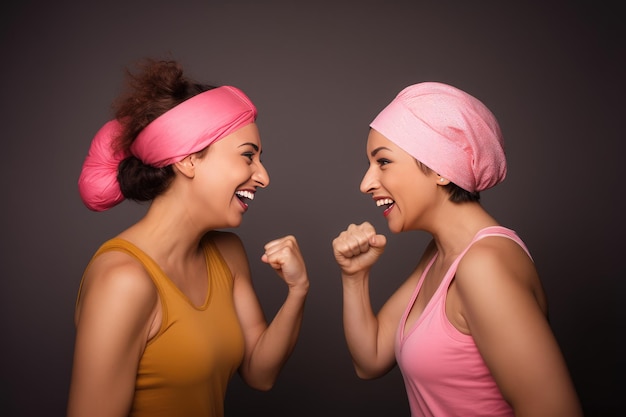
(449, 131)
(193, 125)
(187, 128)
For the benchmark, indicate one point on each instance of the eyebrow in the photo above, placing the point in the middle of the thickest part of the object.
(375, 151)
(256, 148)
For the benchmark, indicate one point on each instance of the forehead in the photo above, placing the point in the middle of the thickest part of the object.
(247, 134)
(375, 140)
(378, 145)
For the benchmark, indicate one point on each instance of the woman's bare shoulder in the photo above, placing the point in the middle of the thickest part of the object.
(498, 265)
(115, 279)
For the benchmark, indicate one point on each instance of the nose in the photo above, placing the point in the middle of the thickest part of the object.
(260, 176)
(369, 182)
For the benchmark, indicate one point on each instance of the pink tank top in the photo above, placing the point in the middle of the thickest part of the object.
(443, 371)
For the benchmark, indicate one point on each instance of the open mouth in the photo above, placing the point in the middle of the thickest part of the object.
(244, 196)
(386, 203)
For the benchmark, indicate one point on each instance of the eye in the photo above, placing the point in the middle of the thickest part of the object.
(249, 155)
(383, 161)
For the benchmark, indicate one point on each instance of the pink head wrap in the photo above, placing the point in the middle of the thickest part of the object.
(188, 127)
(97, 183)
(449, 131)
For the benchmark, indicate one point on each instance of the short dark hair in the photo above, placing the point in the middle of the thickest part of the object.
(457, 194)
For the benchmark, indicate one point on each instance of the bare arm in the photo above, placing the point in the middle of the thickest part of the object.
(369, 336)
(267, 346)
(505, 309)
(113, 317)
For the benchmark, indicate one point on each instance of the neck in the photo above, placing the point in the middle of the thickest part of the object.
(456, 226)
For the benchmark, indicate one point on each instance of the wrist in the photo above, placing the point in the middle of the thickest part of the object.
(301, 287)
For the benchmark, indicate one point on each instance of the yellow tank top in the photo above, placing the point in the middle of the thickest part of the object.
(186, 367)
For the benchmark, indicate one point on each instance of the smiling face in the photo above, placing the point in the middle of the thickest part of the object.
(227, 176)
(397, 184)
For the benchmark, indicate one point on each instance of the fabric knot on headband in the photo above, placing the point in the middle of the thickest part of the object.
(448, 130)
(187, 128)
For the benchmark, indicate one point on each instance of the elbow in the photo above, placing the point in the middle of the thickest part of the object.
(259, 379)
(367, 374)
(263, 386)
(372, 369)
(260, 382)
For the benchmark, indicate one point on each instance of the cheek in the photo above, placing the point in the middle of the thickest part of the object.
(401, 181)
(408, 190)
(218, 170)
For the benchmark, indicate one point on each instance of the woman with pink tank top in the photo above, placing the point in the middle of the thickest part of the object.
(468, 327)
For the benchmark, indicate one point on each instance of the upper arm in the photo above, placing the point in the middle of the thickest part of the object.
(389, 315)
(391, 312)
(504, 307)
(247, 305)
(113, 318)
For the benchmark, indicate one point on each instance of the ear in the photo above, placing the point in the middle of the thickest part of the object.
(187, 166)
(441, 180)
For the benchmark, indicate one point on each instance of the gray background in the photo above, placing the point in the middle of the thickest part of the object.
(319, 71)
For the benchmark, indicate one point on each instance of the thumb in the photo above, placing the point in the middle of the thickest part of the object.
(378, 241)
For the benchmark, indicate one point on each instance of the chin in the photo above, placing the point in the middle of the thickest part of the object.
(236, 222)
(232, 225)
(394, 228)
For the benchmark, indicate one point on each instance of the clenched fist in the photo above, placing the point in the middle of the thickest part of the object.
(358, 248)
(284, 256)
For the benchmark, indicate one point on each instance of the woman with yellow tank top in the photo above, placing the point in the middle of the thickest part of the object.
(166, 311)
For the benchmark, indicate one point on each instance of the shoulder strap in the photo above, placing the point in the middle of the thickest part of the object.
(215, 261)
(502, 232)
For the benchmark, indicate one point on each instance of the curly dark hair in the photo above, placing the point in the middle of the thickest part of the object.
(155, 88)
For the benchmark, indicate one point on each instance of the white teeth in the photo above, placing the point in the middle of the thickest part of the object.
(384, 201)
(245, 194)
